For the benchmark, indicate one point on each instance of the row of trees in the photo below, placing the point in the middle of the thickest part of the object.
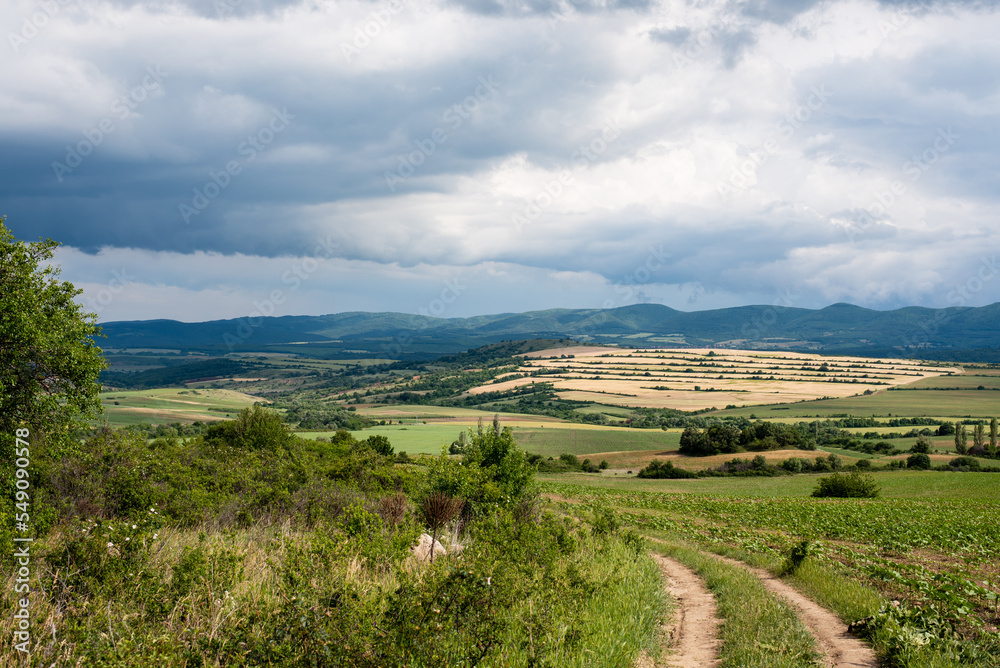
(980, 447)
(728, 438)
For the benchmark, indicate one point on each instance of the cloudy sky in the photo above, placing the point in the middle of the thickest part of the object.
(203, 159)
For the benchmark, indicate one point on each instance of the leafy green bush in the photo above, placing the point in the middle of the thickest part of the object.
(664, 469)
(923, 445)
(255, 428)
(918, 461)
(849, 485)
(795, 557)
(967, 463)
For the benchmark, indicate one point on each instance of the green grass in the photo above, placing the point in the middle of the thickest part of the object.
(551, 442)
(171, 405)
(617, 622)
(894, 485)
(896, 403)
(757, 628)
(548, 441)
(967, 381)
(412, 439)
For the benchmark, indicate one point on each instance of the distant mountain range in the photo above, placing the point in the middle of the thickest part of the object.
(954, 334)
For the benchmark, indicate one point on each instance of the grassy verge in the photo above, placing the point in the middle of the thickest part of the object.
(612, 626)
(901, 637)
(757, 629)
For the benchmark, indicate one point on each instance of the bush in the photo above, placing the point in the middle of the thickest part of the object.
(970, 463)
(851, 485)
(664, 470)
(795, 557)
(918, 461)
(923, 445)
(863, 464)
(254, 428)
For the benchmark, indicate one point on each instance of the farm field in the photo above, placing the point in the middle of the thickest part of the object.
(929, 541)
(903, 484)
(549, 439)
(940, 404)
(172, 405)
(694, 379)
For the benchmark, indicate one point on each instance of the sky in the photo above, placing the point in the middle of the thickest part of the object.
(207, 159)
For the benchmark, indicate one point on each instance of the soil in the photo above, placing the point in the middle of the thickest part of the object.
(692, 633)
(837, 647)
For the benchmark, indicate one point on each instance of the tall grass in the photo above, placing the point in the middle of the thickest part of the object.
(612, 626)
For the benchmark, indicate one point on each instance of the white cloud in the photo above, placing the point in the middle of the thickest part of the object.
(757, 148)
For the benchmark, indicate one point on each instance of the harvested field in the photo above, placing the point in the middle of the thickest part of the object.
(694, 379)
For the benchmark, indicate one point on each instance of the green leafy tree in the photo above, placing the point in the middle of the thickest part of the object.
(49, 363)
(380, 444)
(993, 437)
(923, 445)
(978, 436)
(505, 473)
(255, 428)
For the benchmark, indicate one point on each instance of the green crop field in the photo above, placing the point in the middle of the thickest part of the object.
(943, 404)
(969, 381)
(930, 543)
(172, 405)
(553, 442)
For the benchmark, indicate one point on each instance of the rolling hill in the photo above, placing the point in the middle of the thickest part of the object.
(955, 334)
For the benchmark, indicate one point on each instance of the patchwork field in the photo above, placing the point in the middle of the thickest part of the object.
(172, 405)
(941, 404)
(695, 379)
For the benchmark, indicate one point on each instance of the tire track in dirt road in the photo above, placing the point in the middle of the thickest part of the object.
(692, 633)
(837, 647)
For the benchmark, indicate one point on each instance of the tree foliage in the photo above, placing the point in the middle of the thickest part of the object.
(255, 428)
(851, 485)
(49, 363)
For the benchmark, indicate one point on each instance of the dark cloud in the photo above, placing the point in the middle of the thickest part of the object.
(653, 190)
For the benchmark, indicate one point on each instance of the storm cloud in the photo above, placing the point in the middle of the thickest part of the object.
(542, 153)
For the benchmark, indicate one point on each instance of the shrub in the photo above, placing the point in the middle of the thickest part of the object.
(255, 428)
(923, 445)
(851, 485)
(918, 461)
(795, 557)
(664, 470)
(380, 444)
(970, 463)
(862, 464)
